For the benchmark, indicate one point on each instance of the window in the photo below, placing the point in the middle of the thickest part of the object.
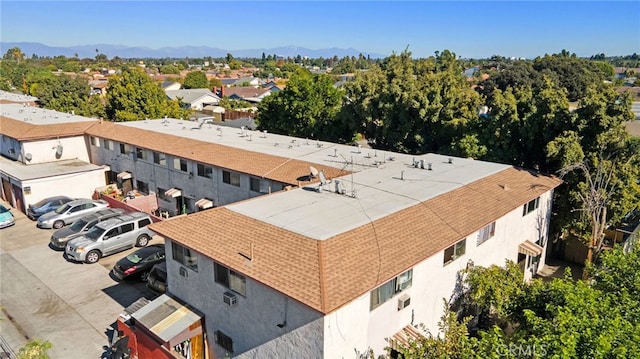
(180, 164)
(455, 251)
(111, 233)
(486, 233)
(94, 141)
(255, 184)
(205, 171)
(230, 279)
(184, 256)
(124, 149)
(231, 178)
(126, 228)
(108, 144)
(141, 153)
(159, 158)
(144, 222)
(391, 288)
(142, 186)
(531, 206)
(224, 341)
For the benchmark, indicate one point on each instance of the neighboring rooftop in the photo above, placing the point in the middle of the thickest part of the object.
(11, 97)
(27, 123)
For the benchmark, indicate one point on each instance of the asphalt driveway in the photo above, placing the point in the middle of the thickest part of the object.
(44, 296)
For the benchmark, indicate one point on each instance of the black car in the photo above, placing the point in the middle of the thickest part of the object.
(157, 280)
(46, 205)
(139, 263)
(60, 237)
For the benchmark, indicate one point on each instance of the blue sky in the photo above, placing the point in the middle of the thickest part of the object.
(470, 29)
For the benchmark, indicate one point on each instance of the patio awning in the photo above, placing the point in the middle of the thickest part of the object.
(404, 337)
(529, 248)
(124, 175)
(204, 203)
(173, 192)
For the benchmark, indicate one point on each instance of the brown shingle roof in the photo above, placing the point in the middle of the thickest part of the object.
(25, 131)
(281, 169)
(326, 275)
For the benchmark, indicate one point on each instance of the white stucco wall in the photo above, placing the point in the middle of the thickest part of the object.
(355, 327)
(77, 185)
(253, 321)
(45, 150)
(166, 176)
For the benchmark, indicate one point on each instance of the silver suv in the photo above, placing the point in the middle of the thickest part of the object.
(111, 236)
(60, 237)
(70, 212)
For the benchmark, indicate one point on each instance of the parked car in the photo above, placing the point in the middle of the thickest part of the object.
(111, 236)
(60, 237)
(46, 205)
(139, 263)
(157, 279)
(6, 217)
(70, 212)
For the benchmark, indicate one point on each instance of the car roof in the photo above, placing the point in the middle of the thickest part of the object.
(152, 248)
(107, 212)
(83, 201)
(122, 218)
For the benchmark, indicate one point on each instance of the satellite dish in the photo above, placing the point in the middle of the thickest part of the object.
(28, 157)
(314, 171)
(59, 150)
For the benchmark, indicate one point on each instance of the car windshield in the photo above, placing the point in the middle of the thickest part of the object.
(3, 209)
(78, 225)
(134, 258)
(94, 233)
(63, 209)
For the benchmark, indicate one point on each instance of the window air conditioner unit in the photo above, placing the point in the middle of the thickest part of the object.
(229, 298)
(404, 301)
(183, 272)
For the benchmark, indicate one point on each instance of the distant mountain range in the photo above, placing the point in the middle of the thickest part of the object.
(111, 51)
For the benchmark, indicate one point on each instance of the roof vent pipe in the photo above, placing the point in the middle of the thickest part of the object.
(450, 160)
(422, 164)
(429, 166)
(402, 175)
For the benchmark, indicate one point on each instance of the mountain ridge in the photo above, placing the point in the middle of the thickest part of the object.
(122, 51)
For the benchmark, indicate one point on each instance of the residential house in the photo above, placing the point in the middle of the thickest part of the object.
(246, 93)
(171, 85)
(196, 99)
(355, 262)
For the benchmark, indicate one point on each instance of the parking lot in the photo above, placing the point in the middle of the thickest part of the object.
(44, 296)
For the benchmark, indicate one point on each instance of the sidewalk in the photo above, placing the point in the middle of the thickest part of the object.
(555, 268)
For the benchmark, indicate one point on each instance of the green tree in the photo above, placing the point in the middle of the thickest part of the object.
(307, 107)
(133, 96)
(195, 80)
(13, 54)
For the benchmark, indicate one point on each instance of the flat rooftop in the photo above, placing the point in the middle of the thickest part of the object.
(39, 116)
(304, 149)
(352, 201)
(44, 170)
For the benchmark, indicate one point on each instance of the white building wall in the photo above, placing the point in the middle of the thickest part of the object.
(356, 327)
(254, 320)
(76, 185)
(163, 177)
(46, 150)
